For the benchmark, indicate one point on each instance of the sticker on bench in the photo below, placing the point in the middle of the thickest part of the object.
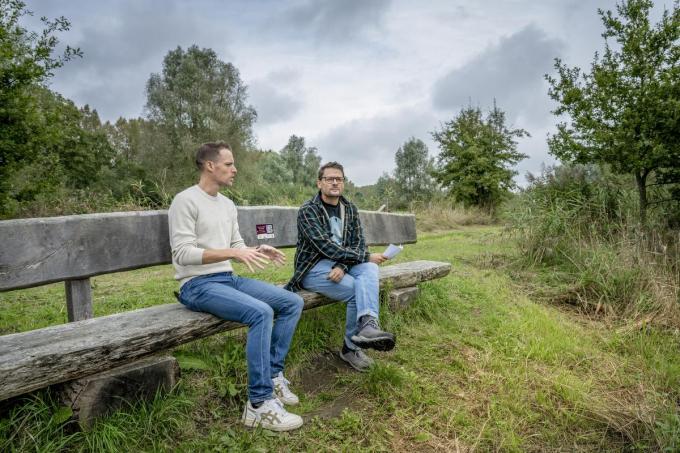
(265, 231)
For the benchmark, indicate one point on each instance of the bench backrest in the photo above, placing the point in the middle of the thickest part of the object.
(38, 251)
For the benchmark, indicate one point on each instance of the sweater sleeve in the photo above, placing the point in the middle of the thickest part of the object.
(236, 241)
(183, 239)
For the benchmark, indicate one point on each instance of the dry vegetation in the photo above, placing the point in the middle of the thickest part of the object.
(441, 216)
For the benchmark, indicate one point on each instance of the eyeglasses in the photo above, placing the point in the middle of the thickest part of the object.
(333, 179)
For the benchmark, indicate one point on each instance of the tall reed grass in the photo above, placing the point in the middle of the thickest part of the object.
(581, 222)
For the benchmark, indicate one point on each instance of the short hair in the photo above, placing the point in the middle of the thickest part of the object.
(330, 165)
(209, 151)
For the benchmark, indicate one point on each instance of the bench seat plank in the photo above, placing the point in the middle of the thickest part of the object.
(35, 359)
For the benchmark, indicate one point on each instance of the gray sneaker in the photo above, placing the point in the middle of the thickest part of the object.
(370, 335)
(357, 359)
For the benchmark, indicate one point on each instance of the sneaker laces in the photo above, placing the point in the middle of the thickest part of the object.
(278, 406)
(371, 322)
(283, 382)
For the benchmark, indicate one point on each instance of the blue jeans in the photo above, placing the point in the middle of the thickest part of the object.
(359, 288)
(253, 303)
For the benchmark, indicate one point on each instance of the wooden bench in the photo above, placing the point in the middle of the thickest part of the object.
(73, 249)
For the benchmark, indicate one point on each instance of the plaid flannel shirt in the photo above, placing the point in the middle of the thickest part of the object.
(315, 241)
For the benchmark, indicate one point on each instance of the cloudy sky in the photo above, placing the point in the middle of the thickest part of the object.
(356, 78)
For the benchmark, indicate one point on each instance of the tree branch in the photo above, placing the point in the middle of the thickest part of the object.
(662, 201)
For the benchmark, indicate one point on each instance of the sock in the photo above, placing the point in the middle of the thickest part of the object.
(345, 349)
(256, 405)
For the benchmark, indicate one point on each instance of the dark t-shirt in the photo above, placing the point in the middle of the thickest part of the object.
(335, 220)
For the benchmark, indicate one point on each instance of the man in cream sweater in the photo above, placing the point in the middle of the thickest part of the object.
(204, 237)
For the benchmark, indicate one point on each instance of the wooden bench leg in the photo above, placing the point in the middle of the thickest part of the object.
(78, 299)
(402, 297)
(99, 394)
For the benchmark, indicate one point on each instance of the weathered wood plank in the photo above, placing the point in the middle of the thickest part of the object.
(99, 394)
(381, 228)
(38, 251)
(36, 359)
(412, 272)
(79, 299)
(399, 299)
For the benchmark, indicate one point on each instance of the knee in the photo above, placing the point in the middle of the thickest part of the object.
(263, 315)
(298, 303)
(369, 269)
(294, 304)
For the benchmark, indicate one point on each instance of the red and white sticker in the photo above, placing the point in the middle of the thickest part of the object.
(264, 231)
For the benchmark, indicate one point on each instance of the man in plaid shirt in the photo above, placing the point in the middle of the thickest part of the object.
(332, 259)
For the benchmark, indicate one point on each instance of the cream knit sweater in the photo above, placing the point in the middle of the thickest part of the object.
(198, 221)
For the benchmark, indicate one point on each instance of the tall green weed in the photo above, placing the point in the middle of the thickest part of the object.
(580, 222)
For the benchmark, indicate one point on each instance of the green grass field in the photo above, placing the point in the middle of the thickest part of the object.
(478, 366)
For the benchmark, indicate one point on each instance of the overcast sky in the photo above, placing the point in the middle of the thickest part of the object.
(356, 78)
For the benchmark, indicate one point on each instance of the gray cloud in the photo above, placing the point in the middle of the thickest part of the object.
(274, 99)
(366, 147)
(332, 21)
(511, 71)
(123, 43)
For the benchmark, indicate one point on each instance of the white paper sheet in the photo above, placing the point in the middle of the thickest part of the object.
(392, 250)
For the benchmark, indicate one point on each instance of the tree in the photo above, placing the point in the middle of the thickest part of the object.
(385, 191)
(197, 98)
(273, 169)
(626, 111)
(413, 171)
(476, 156)
(27, 61)
(303, 162)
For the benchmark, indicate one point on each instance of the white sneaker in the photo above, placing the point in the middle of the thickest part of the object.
(282, 392)
(271, 415)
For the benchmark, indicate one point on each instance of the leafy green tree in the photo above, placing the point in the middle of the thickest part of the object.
(626, 111)
(197, 98)
(84, 148)
(385, 190)
(72, 153)
(476, 157)
(413, 173)
(27, 60)
(302, 161)
(273, 169)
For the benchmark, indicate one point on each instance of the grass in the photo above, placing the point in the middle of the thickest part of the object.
(479, 366)
(442, 216)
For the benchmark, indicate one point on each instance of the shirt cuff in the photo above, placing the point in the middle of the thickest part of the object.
(341, 266)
